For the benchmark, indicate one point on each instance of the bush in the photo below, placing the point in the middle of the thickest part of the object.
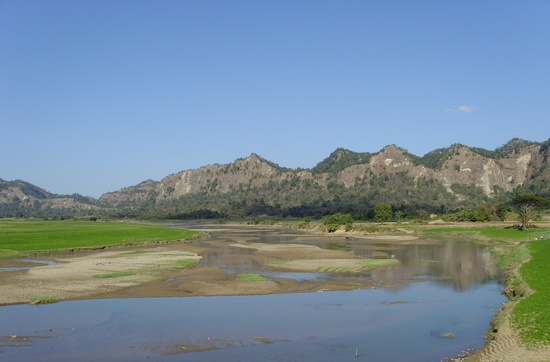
(474, 214)
(334, 221)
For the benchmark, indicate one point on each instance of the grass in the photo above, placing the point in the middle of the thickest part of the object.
(531, 316)
(252, 278)
(375, 263)
(513, 256)
(43, 300)
(333, 265)
(114, 275)
(336, 269)
(180, 264)
(24, 237)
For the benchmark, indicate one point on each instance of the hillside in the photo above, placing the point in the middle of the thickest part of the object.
(441, 181)
(22, 199)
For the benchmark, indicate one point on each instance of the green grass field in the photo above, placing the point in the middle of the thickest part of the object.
(531, 316)
(20, 238)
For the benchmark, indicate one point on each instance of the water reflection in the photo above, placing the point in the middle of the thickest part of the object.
(458, 264)
(453, 263)
(26, 264)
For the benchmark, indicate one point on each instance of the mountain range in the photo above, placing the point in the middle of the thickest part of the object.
(442, 181)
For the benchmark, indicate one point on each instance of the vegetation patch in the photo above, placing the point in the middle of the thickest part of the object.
(333, 222)
(28, 236)
(337, 269)
(113, 275)
(9, 254)
(181, 264)
(368, 227)
(43, 300)
(531, 316)
(375, 263)
(333, 265)
(252, 278)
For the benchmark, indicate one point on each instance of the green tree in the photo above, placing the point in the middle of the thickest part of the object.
(333, 222)
(501, 211)
(527, 206)
(399, 216)
(382, 212)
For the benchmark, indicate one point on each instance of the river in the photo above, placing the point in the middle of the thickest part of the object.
(452, 291)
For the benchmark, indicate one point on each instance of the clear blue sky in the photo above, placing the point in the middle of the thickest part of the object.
(100, 95)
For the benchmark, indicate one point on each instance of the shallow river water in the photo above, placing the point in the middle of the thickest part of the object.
(454, 291)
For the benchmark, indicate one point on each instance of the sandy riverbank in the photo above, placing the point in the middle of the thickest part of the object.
(158, 271)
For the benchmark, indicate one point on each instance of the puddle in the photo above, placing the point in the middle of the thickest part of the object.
(27, 264)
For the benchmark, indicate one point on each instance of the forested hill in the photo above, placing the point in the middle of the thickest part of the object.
(441, 181)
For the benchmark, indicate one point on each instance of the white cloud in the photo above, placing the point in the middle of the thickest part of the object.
(462, 109)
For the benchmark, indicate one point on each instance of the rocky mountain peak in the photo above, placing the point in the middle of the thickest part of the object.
(391, 158)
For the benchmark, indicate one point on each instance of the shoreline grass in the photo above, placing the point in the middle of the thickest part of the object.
(45, 299)
(114, 275)
(252, 278)
(531, 315)
(184, 263)
(23, 237)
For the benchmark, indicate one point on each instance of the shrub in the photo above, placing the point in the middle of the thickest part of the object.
(334, 221)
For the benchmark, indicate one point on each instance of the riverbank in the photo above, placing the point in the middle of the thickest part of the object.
(504, 342)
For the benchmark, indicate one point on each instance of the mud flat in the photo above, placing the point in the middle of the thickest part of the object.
(85, 276)
(167, 271)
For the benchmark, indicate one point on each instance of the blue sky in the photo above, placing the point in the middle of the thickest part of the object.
(100, 95)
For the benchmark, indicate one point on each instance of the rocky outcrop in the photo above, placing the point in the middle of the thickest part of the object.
(463, 166)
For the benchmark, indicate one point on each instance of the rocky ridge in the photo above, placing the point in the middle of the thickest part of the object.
(449, 176)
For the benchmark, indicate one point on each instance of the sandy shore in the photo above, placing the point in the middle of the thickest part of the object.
(88, 275)
(157, 271)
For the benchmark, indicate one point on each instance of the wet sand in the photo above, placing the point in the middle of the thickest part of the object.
(156, 272)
